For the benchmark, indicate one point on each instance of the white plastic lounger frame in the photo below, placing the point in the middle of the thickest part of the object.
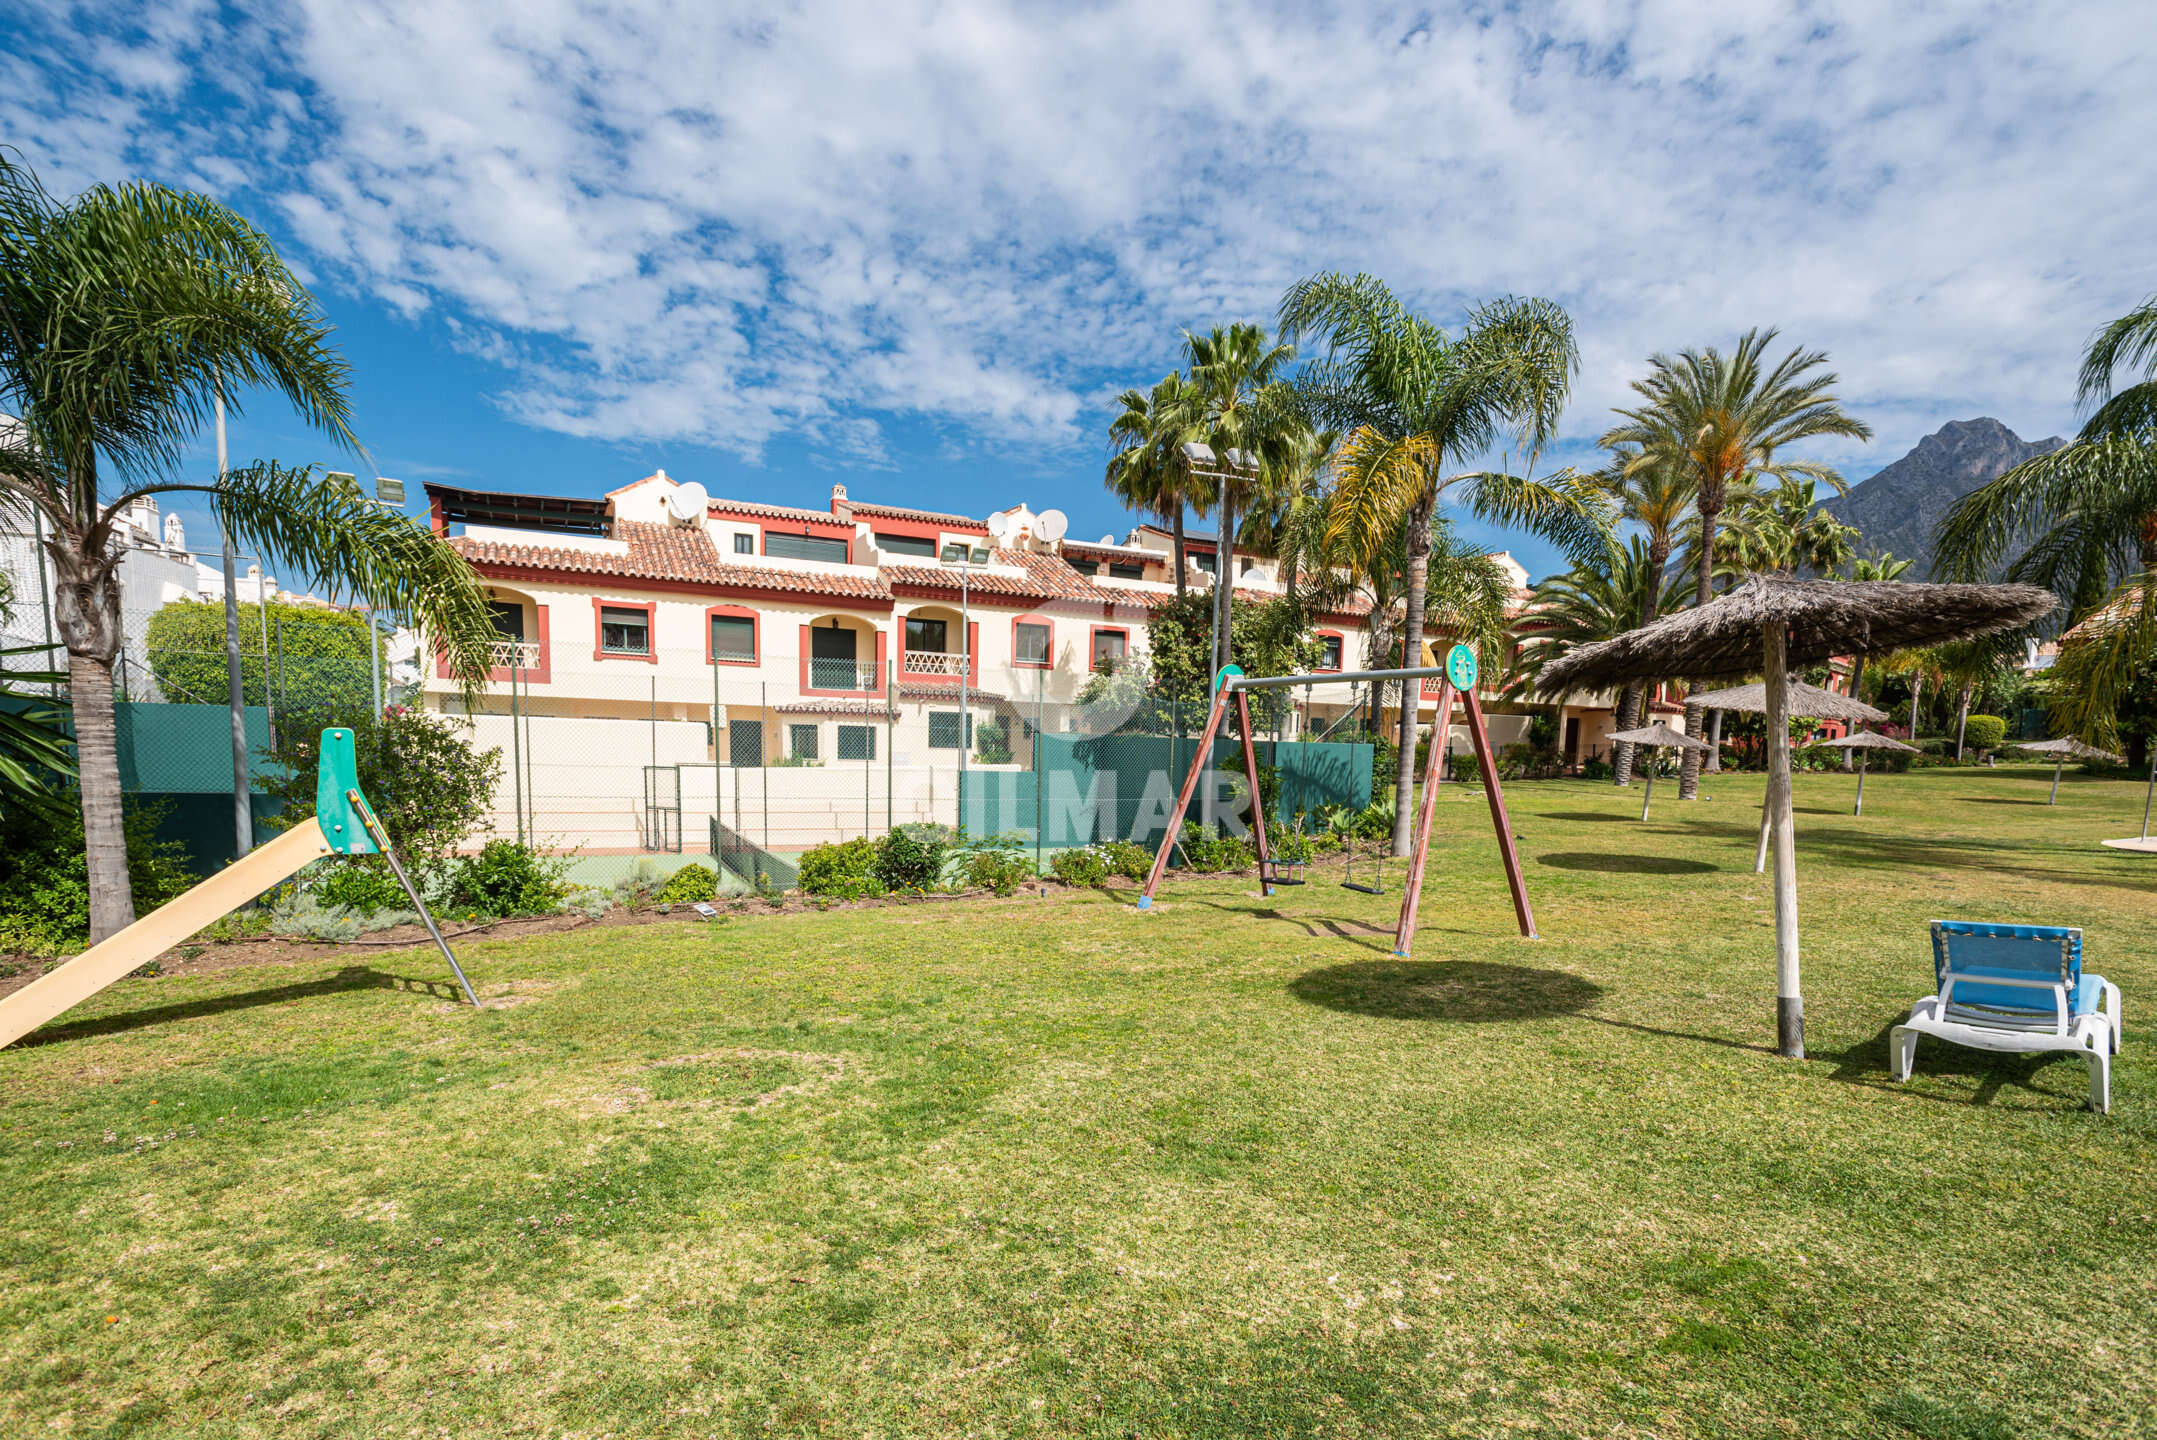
(1993, 965)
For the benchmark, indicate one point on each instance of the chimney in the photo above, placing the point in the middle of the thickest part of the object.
(840, 508)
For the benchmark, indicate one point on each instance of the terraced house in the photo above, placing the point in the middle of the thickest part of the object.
(660, 644)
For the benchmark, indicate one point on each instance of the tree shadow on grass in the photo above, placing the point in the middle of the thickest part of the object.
(1625, 864)
(351, 977)
(1587, 815)
(1865, 1064)
(1473, 991)
(1852, 845)
(2001, 800)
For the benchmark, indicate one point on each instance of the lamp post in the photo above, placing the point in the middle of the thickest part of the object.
(1226, 470)
(243, 811)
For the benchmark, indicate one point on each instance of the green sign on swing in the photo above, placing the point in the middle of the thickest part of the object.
(1460, 667)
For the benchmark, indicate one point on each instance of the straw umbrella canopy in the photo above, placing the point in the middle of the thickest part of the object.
(2067, 747)
(1766, 626)
(1864, 742)
(1805, 699)
(1664, 737)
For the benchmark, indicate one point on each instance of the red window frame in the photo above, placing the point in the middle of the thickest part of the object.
(735, 612)
(1045, 623)
(651, 629)
(1342, 640)
(1093, 654)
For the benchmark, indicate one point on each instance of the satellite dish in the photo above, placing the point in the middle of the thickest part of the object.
(999, 524)
(1108, 539)
(687, 503)
(1052, 525)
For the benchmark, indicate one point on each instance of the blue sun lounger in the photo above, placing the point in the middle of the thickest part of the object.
(2017, 989)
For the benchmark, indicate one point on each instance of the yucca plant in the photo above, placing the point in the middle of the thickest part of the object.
(124, 314)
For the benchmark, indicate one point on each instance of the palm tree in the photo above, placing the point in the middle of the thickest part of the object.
(1725, 419)
(1146, 470)
(1656, 498)
(1408, 399)
(123, 314)
(1599, 601)
(2086, 516)
(1289, 518)
(1246, 418)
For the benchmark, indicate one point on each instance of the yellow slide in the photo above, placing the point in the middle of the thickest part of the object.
(344, 824)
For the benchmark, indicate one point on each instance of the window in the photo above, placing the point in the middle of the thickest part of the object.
(745, 742)
(927, 637)
(1120, 571)
(906, 545)
(1109, 647)
(944, 729)
(625, 632)
(857, 742)
(733, 637)
(1330, 659)
(801, 741)
(744, 544)
(1244, 566)
(1203, 560)
(1030, 644)
(805, 547)
(508, 618)
(833, 659)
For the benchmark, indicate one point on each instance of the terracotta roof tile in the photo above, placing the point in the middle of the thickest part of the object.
(901, 512)
(671, 553)
(773, 512)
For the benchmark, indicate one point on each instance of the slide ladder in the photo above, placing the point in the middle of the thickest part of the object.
(344, 824)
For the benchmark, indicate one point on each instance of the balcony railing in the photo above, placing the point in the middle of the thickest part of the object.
(833, 674)
(930, 662)
(515, 654)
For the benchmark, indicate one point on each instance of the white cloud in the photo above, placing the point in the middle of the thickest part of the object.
(666, 223)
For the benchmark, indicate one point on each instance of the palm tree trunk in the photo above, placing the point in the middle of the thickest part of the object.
(1962, 719)
(1703, 592)
(1636, 695)
(1175, 526)
(1621, 765)
(1404, 778)
(104, 827)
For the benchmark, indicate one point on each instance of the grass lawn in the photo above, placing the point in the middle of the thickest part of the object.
(1061, 1168)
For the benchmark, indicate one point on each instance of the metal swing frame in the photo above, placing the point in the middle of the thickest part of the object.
(1233, 687)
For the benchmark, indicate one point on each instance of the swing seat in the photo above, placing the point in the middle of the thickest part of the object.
(1282, 872)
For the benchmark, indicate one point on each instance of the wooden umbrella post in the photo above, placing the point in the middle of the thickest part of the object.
(1760, 855)
(1789, 998)
(1863, 758)
(1648, 792)
(2057, 766)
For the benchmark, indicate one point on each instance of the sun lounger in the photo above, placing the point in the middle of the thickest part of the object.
(2018, 989)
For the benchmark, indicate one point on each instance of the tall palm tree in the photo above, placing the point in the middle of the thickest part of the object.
(123, 314)
(1656, 498)
(1593, 602)
(2086, 519)
(1145, 469)
(1726, 419)
(1409, 399)
(1288, 519)
(1245, 415)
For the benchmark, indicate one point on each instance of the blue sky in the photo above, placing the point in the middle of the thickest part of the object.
(919, 247)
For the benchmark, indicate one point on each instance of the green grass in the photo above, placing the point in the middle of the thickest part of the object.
(1061, 1168)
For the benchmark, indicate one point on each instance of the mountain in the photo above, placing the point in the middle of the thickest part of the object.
(1898, 509)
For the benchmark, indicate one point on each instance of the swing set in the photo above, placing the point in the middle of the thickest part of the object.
(1457, 681)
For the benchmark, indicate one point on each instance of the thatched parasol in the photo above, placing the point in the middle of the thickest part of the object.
(2067, 747)
(1766, 626)
(1864, 742)
(1804, 700)
(1663, 736)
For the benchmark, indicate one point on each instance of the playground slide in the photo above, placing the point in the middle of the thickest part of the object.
(158, 931)
(344, 824)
